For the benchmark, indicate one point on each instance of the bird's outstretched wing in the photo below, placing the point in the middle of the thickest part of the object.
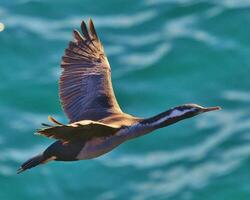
(83, 130)
(85, 84)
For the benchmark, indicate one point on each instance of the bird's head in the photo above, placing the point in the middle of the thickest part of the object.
(190, 110)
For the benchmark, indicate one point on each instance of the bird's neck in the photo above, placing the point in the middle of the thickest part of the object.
(166, 118)
(161, 120)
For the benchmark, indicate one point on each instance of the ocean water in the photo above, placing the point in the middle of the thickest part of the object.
(163, 53)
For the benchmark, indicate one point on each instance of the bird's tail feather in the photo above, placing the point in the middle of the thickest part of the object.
(32, 162)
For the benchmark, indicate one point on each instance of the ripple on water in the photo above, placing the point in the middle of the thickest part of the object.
(188, 26)
(175, 180)
(137, 40)
(242, 96)
(233, 4)
(24, 120)
(54, 29)
(224, 3)
(143, 60)
(6, 170)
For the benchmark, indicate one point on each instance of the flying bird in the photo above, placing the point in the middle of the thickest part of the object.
(97, 124)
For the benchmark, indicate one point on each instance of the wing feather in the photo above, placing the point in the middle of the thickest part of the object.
(86, 91)
(92, 30)
(84, 130)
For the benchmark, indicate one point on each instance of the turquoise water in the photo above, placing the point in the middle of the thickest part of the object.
(162, 53)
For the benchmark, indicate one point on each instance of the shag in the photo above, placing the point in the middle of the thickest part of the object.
(97, 124)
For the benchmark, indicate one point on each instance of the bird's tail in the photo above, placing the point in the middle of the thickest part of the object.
(32, 162)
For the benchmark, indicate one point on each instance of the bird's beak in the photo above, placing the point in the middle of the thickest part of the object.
(211, 109)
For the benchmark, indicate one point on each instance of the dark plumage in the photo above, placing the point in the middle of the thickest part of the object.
(97, 123)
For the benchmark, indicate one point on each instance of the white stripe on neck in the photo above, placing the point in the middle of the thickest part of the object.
(173, 114)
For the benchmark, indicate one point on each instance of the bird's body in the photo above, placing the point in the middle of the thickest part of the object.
(97, 123)
(100, 145)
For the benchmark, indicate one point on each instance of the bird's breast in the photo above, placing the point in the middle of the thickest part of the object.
(99, 146)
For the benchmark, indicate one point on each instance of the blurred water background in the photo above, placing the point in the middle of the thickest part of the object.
(163, 53)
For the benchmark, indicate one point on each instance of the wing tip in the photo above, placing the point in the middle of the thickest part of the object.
(92, 29)
(85, 30)
(89, 31)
